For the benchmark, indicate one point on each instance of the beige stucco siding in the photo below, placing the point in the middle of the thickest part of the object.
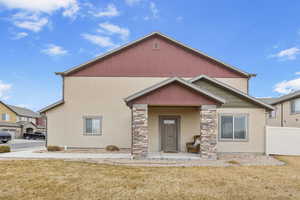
(256, 132)
(238, 83)
(95, 96)
(104, 96)
(289, 119)
(189, 125)
(276, 121)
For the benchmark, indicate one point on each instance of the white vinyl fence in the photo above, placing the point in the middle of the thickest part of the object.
(282, 140)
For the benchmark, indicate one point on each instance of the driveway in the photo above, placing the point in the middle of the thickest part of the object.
(21, 144)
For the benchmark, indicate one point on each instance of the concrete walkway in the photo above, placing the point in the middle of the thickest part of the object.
(154, 159)
(33, 154)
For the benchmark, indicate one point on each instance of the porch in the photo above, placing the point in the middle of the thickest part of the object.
(161, 132)
(167, 115)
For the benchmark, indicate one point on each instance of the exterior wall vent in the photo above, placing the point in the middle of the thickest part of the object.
(155, 45)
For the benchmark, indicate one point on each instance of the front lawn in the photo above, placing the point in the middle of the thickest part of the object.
(57, 179)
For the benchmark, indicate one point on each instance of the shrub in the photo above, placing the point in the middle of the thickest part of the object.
(54, 148)
(233, 162)
(4, 149)
(112, 148)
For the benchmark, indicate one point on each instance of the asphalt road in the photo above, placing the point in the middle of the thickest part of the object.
(20, 144)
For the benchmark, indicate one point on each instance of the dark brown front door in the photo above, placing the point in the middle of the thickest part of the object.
(169, 131)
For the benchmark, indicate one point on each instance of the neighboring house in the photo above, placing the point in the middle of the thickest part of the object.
(286, 112)
(18, 120)
(154, 95)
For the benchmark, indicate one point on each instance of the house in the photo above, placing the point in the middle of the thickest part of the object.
(17, 120)
(286, 110)
(154, 95)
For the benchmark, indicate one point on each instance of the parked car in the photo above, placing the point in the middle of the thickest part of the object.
(34, 136)
(4, 137)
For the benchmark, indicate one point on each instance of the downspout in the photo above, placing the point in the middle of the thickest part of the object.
(46, 144)
(281, 115)
(248, 85)
(131, 132)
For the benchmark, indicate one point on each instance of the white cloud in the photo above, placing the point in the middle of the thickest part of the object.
(54, 50)
(154, 12)
(33, 25)
(286, 87)
(71, 11)
(132, 2)
(32, 14)
(297, 73)
(114, 29)
(98, 40)
(288, 54)
(4, 88)
(109, 11)
(45, 6)
(20, 35)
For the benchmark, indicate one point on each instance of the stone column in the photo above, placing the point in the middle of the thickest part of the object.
(140, 136)
(208, 132)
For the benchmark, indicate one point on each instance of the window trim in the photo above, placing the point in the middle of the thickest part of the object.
(7, 117)
(233, 139)
(291, 106)
(92, 117)
(270, 117)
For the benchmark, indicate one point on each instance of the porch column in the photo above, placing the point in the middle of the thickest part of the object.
(140, 138)
(208, 132)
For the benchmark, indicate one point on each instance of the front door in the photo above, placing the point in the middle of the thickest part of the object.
(169, 131)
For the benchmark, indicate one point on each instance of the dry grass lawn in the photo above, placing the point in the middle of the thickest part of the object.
(56, 179)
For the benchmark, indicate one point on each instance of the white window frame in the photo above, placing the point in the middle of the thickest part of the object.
(246, 139)
(95, 118)
(270, 114)
(291, 107)
(6, 117)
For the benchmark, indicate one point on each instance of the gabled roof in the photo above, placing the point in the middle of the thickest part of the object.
(285, 97)
(23, 111)
(51, 106)
(236, 91)
(79, 67)
(267, 100)
(20, 111)
(171, 80)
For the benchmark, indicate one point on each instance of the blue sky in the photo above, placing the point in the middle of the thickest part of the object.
(39, 38)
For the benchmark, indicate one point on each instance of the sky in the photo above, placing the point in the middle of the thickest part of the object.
(38, 38)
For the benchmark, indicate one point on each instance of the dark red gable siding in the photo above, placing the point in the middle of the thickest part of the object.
(142, 60)
(174, 94)
(41, 121)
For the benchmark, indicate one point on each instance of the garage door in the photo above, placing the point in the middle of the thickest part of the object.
(282, 140)
(12, 132)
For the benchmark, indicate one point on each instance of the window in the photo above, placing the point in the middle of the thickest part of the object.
(295, 106)
(93, 125)
(233, 127)
(272, 114)
(5, 117)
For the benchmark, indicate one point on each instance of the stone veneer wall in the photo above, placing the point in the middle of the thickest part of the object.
(208, 135)
(140, 137)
